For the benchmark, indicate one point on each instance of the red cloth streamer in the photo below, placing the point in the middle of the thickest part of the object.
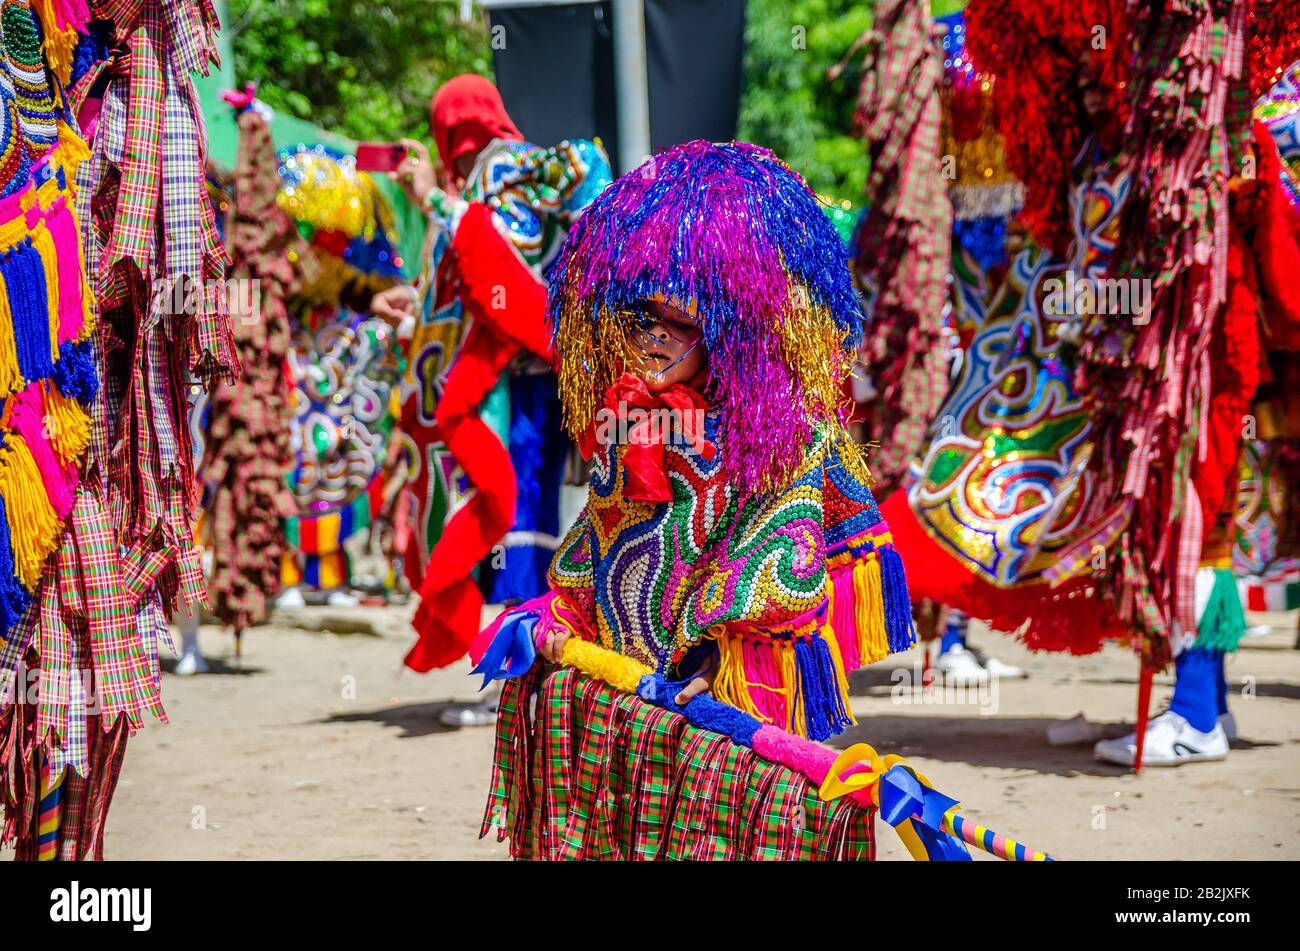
(508, 307)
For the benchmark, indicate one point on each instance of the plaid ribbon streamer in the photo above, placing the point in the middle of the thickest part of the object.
(902, 247)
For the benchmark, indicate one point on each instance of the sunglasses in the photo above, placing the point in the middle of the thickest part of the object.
(645, 319)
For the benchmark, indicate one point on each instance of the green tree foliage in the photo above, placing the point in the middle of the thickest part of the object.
(366, 69)
(790, 105)
(362, 68)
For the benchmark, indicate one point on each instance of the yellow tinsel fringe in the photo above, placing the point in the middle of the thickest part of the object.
(69, 429)
(33, 525)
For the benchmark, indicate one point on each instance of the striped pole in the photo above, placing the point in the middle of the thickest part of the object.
(49, 814)
(990, 841)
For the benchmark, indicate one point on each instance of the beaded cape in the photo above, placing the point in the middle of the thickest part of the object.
(795, 586)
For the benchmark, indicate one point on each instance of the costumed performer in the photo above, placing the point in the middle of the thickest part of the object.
(485, 500)
(705, 323)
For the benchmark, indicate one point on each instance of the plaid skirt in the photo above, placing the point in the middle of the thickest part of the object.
(582, 770)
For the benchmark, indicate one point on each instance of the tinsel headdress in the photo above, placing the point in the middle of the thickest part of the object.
(732, 230)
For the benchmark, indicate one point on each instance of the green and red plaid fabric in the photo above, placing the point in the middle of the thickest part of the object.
(599, 774)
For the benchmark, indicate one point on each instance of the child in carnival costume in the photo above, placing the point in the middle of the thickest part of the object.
(704, 322)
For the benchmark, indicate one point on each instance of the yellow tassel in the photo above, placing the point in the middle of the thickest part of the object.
(72, 148)
(15, 229)
(11, 378)
(70, 426)
(59, 44)
(44, 246)
(33, 525)
(730, 685)
(869, 611)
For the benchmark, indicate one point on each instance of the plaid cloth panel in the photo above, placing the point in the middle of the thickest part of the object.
(125, 681)
(135, 222)
(12, 651)
(598, 774)
(61, 712)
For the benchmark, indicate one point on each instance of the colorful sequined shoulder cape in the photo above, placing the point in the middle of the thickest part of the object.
(794, 587)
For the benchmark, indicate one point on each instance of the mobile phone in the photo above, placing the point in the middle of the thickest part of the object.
(379, 156)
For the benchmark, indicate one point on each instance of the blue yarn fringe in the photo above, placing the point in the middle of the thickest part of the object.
(824, 712)
(75, 374)
(899, 627)
(14, 598)
(24, 276)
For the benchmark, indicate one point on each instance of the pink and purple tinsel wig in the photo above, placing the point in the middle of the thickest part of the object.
(732, 230)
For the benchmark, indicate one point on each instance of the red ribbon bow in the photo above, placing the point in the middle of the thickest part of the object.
(644, 460)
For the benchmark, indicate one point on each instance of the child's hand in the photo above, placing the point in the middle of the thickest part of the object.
(702, 682)
(696, 687)
(553, 649)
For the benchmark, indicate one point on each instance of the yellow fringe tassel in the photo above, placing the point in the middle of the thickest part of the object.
(44, 245)
(72, 148)
(33, 525)
(615, 669)
(869, 611)
(730, 685)
(69, 429)
(11, 377)
(58, 45)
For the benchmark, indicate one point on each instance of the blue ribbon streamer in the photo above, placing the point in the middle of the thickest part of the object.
(904, 797)
(512, 651)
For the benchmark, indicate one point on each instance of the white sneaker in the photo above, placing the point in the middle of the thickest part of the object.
(341, 599)
(191, 663)
(1170, 741)
(1003, 671)
(960, 668)
(1229, 724)
(290, 598)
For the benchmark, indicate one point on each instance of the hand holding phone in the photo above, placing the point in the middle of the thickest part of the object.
(379, 156)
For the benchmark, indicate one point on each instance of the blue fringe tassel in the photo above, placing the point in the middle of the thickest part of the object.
(24, 275)
(75, 373)
(824, 712)
(899, 627)
(14, 598)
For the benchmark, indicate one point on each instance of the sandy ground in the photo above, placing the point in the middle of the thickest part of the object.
(321, 747)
